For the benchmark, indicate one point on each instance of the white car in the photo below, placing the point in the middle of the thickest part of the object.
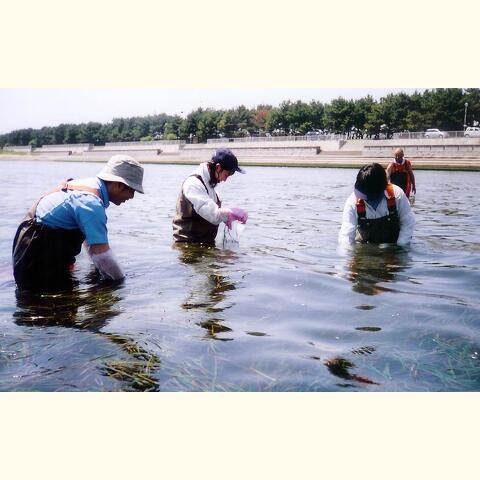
(472, 132)
(434, 133)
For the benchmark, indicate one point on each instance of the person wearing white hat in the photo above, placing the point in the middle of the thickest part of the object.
(52, 233)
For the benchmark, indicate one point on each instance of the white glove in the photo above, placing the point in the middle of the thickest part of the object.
(107, 265)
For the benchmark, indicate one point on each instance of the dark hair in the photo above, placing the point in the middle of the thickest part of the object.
(371, 180)
(211, 170)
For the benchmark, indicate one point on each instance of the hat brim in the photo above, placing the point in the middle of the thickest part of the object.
(114, 178)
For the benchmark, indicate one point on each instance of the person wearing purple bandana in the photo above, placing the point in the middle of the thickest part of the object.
(376, 211)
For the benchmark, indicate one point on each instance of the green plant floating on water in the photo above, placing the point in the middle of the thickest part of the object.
(136, 372)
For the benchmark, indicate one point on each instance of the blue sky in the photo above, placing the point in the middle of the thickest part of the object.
(39, 107)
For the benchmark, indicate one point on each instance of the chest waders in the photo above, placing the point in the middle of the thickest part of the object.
(401, 177)
(43, 256)
(189, 226)
(378, 230)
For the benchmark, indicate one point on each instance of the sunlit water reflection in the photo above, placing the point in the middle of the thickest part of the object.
(281, 310)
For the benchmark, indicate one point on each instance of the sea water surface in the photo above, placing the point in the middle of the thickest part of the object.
(280, 310)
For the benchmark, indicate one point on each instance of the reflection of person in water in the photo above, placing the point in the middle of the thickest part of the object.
(340, 367)
(208, 287)
(369, 267)
(115, 357)
(89, 309)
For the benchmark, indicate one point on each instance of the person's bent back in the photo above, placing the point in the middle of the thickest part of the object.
(51, 235)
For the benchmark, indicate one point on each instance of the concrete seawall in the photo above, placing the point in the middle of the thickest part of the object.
(449, 147)
(443, 154)
(319, 161)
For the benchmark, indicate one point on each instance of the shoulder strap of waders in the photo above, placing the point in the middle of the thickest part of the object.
(361, 209)
(64, 186)
(201, 179)
(391, 204)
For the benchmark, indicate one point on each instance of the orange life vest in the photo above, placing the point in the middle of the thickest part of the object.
(378, 230)
(400, 176)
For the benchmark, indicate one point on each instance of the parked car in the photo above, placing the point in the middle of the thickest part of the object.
(434, 133)
(472, 132)
(314, 133)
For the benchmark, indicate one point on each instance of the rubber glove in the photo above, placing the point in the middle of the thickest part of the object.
(236, 214)
(108, 265)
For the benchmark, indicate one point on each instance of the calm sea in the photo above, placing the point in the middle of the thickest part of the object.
(279, 310)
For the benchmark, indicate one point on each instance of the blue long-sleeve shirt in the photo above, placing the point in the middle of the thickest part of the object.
(77, 209)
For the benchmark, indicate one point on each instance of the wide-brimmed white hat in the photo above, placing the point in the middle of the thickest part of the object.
(124, 169)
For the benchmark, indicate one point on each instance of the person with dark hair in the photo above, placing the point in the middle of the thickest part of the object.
(400, 173)
(52, 233)
(376, 211)
(199, 210)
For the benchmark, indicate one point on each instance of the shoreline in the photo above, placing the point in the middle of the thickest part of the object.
(419, 163)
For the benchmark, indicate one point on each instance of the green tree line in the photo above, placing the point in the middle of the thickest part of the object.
(442, 108)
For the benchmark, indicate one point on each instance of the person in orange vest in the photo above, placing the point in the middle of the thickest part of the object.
(376, 211)
(400, 173)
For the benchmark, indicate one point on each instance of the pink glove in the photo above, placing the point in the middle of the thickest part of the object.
(236, 214)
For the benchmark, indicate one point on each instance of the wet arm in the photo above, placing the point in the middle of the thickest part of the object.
(101, 248)
(346, 235)
(389, 171)
(407, 220)
(412, 179)
(92, 221)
